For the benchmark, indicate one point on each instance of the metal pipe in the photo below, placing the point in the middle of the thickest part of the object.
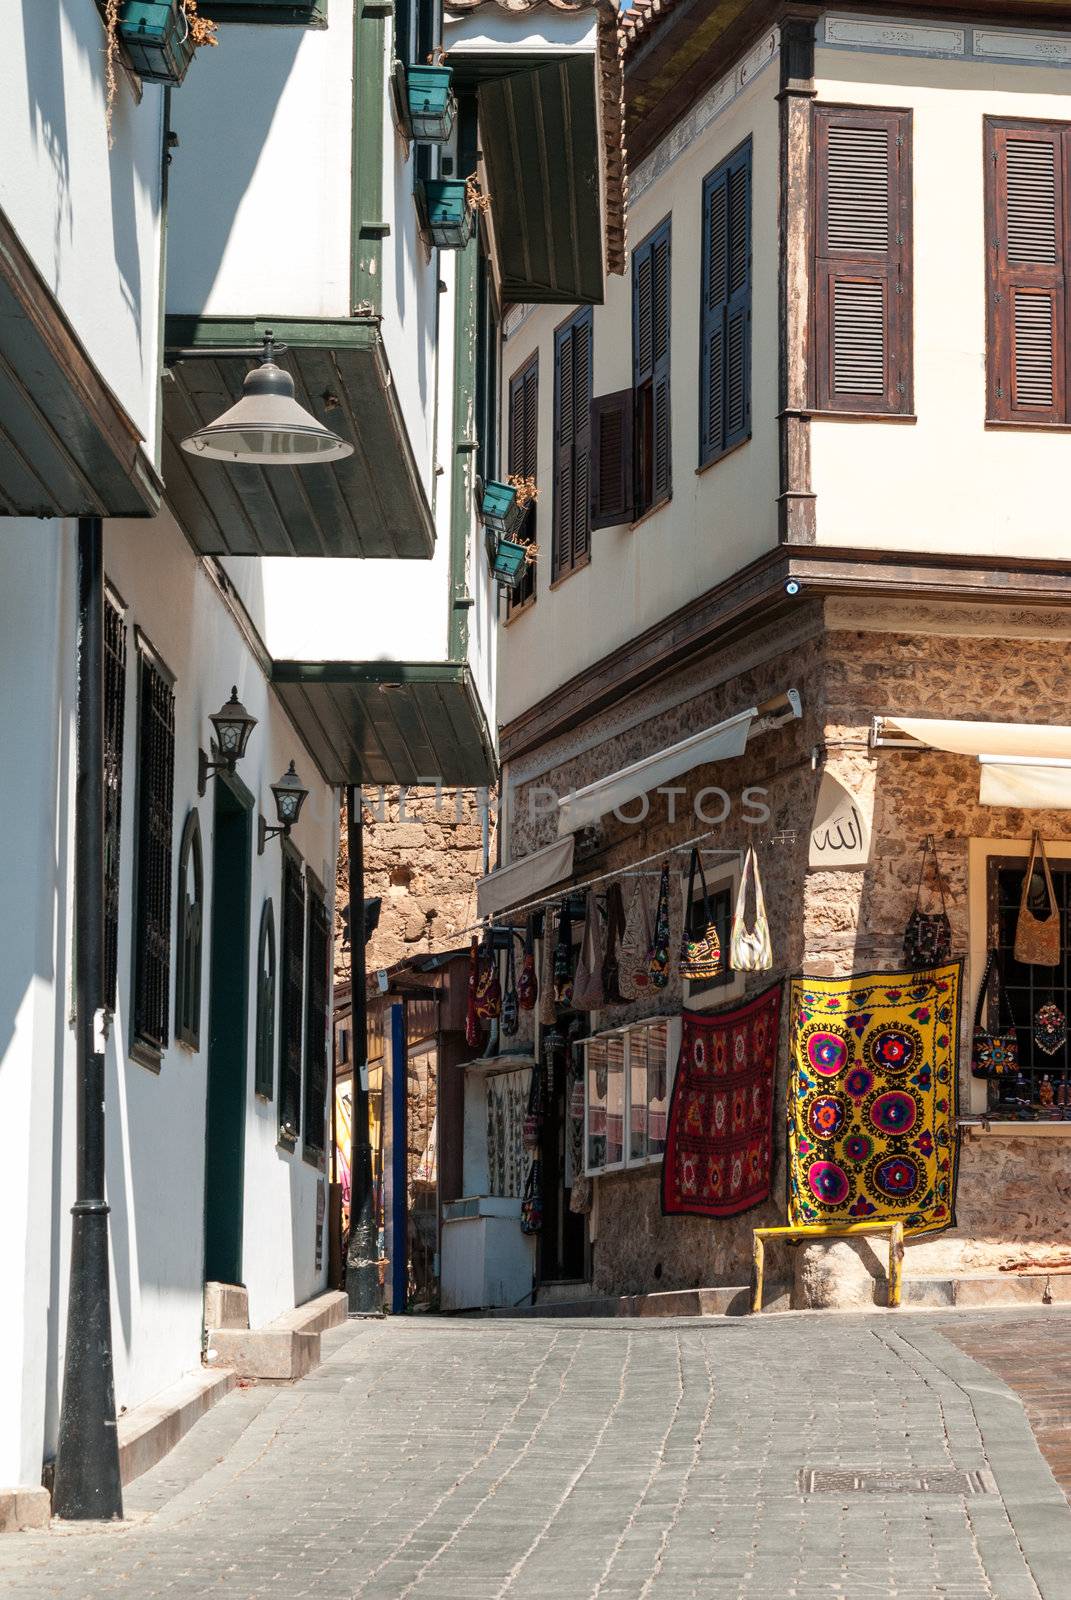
(87, 1481)
(362, 1252)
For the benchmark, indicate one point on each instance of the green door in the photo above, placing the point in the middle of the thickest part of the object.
(228, 1006)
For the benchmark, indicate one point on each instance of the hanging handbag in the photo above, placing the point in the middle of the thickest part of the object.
(615, 928)
(563, 959)
(994, 1055)
(928, 935)
(588, 992)
(532, 1204)
(527, 988)
(532, 1128)
(700, 945)
(636, 943)
(658, 955)
(547, 1012)
(1037, 939)
(1050, 1028)
(750, 952)
(488, 984)
(511, 1019)
(472, 1026)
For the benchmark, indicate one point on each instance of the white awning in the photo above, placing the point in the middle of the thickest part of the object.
(1022, 764)
(524, 879)
(719, 743)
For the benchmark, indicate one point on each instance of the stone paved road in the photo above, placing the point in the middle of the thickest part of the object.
(565, 1460)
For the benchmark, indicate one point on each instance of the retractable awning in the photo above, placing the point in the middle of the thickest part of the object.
(722, 742)
(524, 879)
(1021, 764)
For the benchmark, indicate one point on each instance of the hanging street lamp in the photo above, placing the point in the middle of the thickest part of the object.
(266, 427)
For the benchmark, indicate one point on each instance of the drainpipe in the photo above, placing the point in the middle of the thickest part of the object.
(87, 1482)
(362, 1250)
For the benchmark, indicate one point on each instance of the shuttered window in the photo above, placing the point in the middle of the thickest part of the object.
(725, 310)
(152, 888)
(1027, 175)
(318, 989)
(862, 279)
(523, 463)
(292, 985)
(114, 714)
(188, 935)
(572, 444)
(650, 368)
(264, 1066)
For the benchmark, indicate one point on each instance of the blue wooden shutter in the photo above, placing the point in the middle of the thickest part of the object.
(725, 320)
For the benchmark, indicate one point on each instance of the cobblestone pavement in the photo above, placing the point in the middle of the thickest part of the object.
(592, 1460)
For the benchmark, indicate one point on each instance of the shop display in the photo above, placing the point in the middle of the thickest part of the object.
(588, 994)
(546, 1010)
(993, 1054)
(872, 1099)
(532, 1203)
(928, 935)
(472, 1026)
(527, 987)
(719, 1142)
(488, 983)
(636, 942)
(1037, 939)
(511, 1019)
(701, 954)
(611, 961)
(658, 955)
(563, 958)
(750, 952)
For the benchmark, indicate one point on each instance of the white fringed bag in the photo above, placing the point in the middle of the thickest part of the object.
(750, 952)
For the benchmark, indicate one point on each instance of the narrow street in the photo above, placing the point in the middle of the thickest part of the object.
(494, 1458)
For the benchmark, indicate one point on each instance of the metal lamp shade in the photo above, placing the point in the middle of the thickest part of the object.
(233, 725)
(290, 796)
(267, 427)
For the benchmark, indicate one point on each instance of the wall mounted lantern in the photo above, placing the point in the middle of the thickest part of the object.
(233, 725)
(290, 796)
(267, 427)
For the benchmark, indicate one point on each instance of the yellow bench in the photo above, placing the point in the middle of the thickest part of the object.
(829, 1230)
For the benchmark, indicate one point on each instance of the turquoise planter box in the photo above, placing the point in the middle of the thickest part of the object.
(445, 214)
(499, 508)
(156, 37)
(511, 559)
(431, 103)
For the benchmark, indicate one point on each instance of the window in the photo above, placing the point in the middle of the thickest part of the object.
(572, 445)
(114, 713)
(862, 269)
(152, 887)
(318, 983)
(417, 30)
(725, 308)
(523, 461)
(264, 1065)
(650, 369)
(628, 1077)
(1027, 168)
(1028, 987)
(188, 935)
(292, 994)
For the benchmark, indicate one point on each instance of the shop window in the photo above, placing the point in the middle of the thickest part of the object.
(150, 1010)
(725, 308)
(1028, 988)
(571, 535)
(264, 1065)
(318, 988)
(188, 935)
(628, 1078)
(650, 1072)
(862, 261)
(523, 463)
(114, 714)
(292, 995)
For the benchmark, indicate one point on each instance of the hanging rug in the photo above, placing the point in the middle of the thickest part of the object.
(872, 1098)
(719, 1142)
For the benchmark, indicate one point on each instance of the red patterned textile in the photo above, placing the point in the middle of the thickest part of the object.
(719, 1150)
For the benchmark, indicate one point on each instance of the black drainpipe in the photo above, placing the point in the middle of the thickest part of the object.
(87, 1482)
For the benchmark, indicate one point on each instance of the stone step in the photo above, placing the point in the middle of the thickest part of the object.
(147, 1432)
(269, 1354)
(226, 1305)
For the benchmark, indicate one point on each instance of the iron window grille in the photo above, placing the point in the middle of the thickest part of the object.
(264, 1067)
(316, 1019)
(155, 822)
(114, 714)
(1027, 987)
(292, 992)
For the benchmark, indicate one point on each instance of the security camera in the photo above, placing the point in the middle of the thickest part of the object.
(792, 586)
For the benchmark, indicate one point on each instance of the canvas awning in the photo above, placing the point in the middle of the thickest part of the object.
(1022, 764)
(722, 742)
(523, 880)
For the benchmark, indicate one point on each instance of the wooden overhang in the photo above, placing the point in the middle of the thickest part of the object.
(389, 722)
(67, 446)
(372, 503)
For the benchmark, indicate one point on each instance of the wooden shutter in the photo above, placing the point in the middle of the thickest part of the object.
(292, 983)
(863, 260)
(611, 459)
(650, 346)
(152, 906)
(1026, 227)
(572, 443)
(318, 978)
(725, 341)
(523, 458)
(264, 1066)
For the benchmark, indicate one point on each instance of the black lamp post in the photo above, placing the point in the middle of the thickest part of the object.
(290, 795)
(233, 725)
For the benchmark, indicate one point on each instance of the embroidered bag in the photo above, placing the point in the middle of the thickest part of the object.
(510, 1006)
(488, 984)
(547, 1012)
(532, 1129)
(658, 955)
(1050, 1028)
(636, 942)
(750, 952)
(563, 959)
(700, 945)
(472, 1026)
(527, 987)
(994, 1054)
(532, 1204)
(928, 935)
(587, 985)
(1037, 939)
(611, 963)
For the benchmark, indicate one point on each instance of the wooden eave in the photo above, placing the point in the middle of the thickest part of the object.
(371, 504)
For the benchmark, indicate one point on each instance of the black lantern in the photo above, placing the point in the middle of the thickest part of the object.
(233, 725)
(290, 796)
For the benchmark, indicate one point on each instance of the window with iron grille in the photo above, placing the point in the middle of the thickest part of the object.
(152, 886)
(188, 935)
(1027, 988)
(316, 1018)
(114, 713)
(264, 1067)
(292, 994)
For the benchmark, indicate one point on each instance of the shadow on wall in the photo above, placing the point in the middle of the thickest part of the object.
(46, 95)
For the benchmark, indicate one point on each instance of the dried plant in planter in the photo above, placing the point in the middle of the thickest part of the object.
(202, 30)
(474, 195)
(527, 491)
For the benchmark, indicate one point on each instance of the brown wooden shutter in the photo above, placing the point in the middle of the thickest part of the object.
(862, 260)
(581, 400)
(651, 368)
(1026, 227)
(611, 459)
(572, 443)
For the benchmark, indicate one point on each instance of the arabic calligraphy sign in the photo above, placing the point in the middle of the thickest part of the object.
(840, 835)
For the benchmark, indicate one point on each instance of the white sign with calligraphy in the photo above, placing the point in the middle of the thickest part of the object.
(840, 836)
